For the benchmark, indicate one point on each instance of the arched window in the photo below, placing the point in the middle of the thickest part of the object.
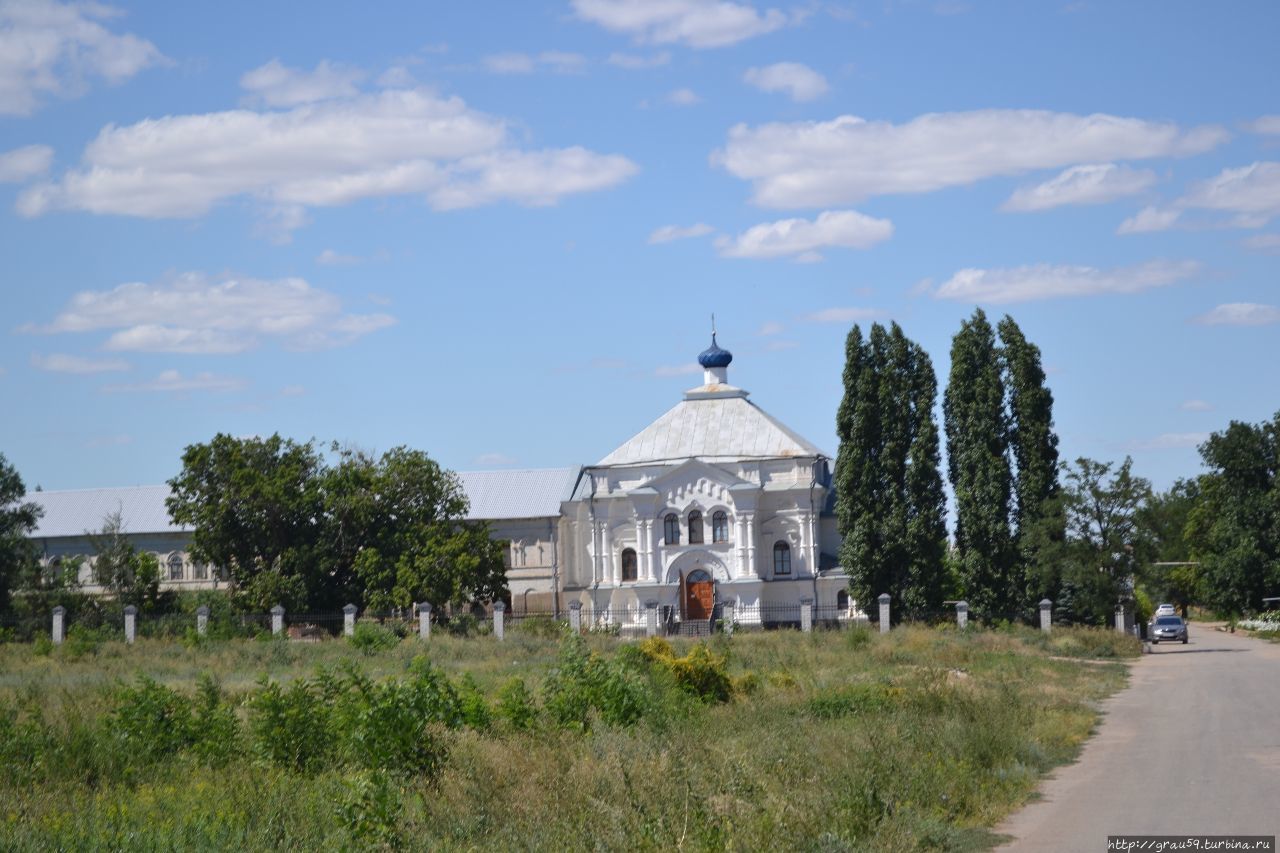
(719, 527)
(199, 571)
(629, 571)
(671, 529)
(842, 600)
(695, 528)
(781, 558)
(175, 567)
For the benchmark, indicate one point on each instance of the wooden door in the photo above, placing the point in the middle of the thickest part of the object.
(700, 595)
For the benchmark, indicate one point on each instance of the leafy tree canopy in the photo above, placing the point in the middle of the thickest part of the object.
(17, 520)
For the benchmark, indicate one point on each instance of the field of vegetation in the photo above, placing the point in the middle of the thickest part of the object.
(921, 739)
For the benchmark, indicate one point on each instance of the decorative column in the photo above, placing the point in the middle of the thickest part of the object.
(1120, 618)
(653, 563)
(202, 620)
(349, 620)
(750, 523)
(59, 624)
(651, 619)
(499, 620)
(728, 616)
(884, 612)
(1046, 615)
(277, 620)
(608, 568)
(575, 617)
(130, 623)
(962, 615)
(424, 620)
(806, 615)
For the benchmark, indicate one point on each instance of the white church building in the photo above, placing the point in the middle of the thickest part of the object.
(714, 502)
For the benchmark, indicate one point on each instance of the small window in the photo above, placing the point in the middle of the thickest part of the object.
(842, 600)
(719, 527)
(781, 558)
(175, 567)
(199, 571)
(695, 528)
(671, 529)
(629, 571)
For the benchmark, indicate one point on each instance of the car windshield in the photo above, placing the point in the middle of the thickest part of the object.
(1169, 620)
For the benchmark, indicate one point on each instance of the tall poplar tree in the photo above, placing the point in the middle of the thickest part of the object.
(926, 517)
(1034, 448)
(978, 464)
(858, 429)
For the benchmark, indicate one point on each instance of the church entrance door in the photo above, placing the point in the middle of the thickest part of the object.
(699, 595)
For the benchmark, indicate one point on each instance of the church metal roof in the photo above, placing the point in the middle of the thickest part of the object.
(493, 495)
(712, 425)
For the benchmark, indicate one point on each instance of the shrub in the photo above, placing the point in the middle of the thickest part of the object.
(515, 705)
(382, 729)
(702, 673)
(151, 720)
(370, 638)
(291, 727)
(472, 705)
(582, 682)
(370, 810)
(215, 727)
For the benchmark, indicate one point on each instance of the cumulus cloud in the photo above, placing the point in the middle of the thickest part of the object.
(172, 381)
(1046, 281)
(1266, 125)
(844, 315)
(394, 142)
(196, 314)
(667, 233)
(695, 23)
(1149, 219)
(683, 97)
(1250, 194)
(277, 85)
(802, 238)
(49, 48)
(799, 82)
(849, 159)
(1170, 441)
(1240, 314)
(63, 363)
(1095, 183)
(636, 62)
(24, 163)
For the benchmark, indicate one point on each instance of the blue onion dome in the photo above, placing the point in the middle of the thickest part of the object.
(714, 356)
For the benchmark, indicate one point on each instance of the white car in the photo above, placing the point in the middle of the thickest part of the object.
(1165, 610)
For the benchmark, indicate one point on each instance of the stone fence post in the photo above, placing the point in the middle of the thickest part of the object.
(575, 616)
(277, 620)
(651, 618)
(59, 624)
(349, 620)
(1120, 618)
(424, 620)
(130, 623)
(1046, 615)
(499, 620)
(806, 615)
(884, 612)
(962, 615)
(202, 620)
(727, 612)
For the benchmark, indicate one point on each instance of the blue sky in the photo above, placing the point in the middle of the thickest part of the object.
(497, 232)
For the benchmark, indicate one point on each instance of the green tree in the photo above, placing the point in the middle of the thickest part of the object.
(927, 577)
(1165, 519)
(17, 520)
(1235, 527)
(858, 430)
(130, 575)
(978, 465)
(1032, 442)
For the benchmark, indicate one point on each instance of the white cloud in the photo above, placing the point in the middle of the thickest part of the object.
(1250, 190)
(562, 62)
(193, 314)
(849, 159)
(523, 63)
(1046, 281)
(678, 369)
(331, 153)
(509, 63)
(1170, 441)
(799, 82)
(696, 23)
(1263, 242)
(1095, 183)
(802, 238)
(277, 85)
(634, 62)
(49, 48)
(331, 258)
(667, 233)
(1195, 406)
(1150, 219)
(844, 315)
(172, 381)
(1267, 125)
(1240, 314)
(63, 363)
(683, 97)
(20, 164)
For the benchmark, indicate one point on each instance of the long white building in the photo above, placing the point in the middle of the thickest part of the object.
(715, 501)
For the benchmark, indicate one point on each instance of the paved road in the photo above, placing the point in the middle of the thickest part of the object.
(1192, 745)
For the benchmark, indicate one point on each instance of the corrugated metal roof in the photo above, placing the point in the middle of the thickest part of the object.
(72, 513)
(529, 493)
(716, 427)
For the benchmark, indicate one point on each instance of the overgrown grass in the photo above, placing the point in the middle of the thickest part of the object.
(923, 738)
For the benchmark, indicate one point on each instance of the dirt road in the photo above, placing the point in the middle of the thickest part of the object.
(1192, 745)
